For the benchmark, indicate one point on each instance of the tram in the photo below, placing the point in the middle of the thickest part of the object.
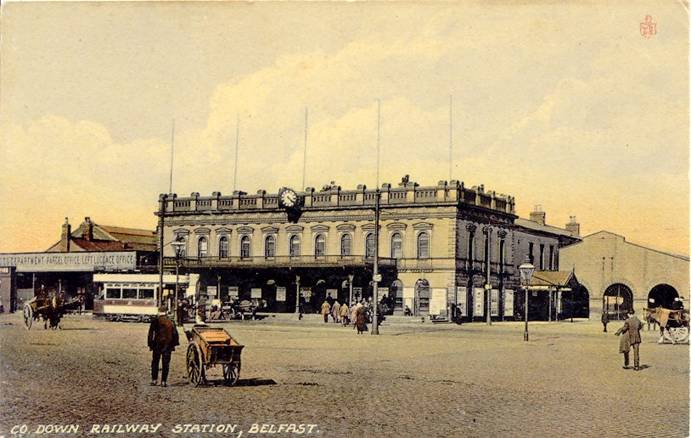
(134, 297)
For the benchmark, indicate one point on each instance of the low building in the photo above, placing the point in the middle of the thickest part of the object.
(68, 265)
(620, 275)
(439, 246)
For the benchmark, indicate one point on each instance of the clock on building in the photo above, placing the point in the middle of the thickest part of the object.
(287, 198)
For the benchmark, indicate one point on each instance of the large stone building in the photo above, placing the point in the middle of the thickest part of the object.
(438, 246)
(621, 275)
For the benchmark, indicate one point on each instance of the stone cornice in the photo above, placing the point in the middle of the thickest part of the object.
(245, 230)
(423, 226)
(399, 226)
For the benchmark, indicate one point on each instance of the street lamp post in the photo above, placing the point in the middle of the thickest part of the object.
(351, 277)
(376, 277)
(297, 294)
(526, 270)
(178, 244)
(162, 200)
(488, 285)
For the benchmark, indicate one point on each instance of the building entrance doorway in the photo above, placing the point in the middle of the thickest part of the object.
(662, 295)
(421, 297)
(617, 301)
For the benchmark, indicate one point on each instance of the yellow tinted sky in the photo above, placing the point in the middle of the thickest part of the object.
(564, 106)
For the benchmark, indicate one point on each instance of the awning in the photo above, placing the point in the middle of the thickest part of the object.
(552, 280)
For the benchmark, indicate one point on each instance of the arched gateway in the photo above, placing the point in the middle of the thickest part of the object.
(662, 295)
(617, 300)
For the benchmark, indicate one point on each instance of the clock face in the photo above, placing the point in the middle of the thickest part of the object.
(289, 198)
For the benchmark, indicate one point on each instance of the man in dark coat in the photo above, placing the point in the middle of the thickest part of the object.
(632, 329)
(162, 339)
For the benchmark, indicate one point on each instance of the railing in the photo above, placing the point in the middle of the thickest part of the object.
(311, 199)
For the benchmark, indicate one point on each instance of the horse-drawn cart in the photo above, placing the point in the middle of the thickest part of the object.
(674, 324)
(50, 308)
(208, 347)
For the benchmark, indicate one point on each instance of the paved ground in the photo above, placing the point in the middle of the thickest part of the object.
(412, 380)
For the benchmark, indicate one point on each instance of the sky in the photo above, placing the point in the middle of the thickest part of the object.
(565, 106)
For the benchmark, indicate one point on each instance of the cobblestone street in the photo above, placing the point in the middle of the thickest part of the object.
(412, 380)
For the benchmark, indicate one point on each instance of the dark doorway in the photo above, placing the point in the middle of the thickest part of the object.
(422, 297)
(617, 300)
(662, 295)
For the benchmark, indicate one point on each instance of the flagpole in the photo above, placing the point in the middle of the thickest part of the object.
(237, 145)
(172, 157)
(450, 138)
(304, 156)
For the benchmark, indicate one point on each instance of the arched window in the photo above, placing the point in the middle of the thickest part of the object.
(245, 247)
(223, 247)
(319, 246)
(183, 248)
(270, 247)
(294, 246)
(346, 241)
(369, 246)
(423, 245)
(202, 247)
(396, 246)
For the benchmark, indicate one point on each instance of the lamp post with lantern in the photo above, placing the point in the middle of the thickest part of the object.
(526, 270)
(179, 245)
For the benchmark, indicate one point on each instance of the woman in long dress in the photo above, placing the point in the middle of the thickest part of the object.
(360, 320)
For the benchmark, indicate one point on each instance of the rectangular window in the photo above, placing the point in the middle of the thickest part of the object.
(542, 256)
(129, 293)
(530, 253)
(146, 294)
(551, 258)
(112, 294)
(501, 254)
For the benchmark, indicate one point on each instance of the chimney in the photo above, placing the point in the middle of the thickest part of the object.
(538, 215)
(65, 236)
(88, 229)
(573, 227)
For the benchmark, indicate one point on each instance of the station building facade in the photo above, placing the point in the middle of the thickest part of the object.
(621, 275)
(438, 246)
(68, 265)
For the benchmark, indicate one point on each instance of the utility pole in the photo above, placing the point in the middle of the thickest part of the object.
(488, 285)
(162, 199)
(376, 277)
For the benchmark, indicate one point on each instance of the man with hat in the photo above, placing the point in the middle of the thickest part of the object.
(162, 339)
(632, 330)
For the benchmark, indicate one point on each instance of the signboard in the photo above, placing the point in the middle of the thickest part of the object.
(256, 292)
(211, 290)
(233, 292)
(280, 294)
(306, 292)
(377, 278)
(508, 302)
(494, 302)
(70, 261)
(332, 292)
(383, 291)
(478, 301)
(462, 300)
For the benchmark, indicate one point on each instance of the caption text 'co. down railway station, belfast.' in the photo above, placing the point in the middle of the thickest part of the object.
(438, 246)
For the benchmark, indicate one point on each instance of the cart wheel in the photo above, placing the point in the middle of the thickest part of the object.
(231, 373)
(28, 316)
(195, 368)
